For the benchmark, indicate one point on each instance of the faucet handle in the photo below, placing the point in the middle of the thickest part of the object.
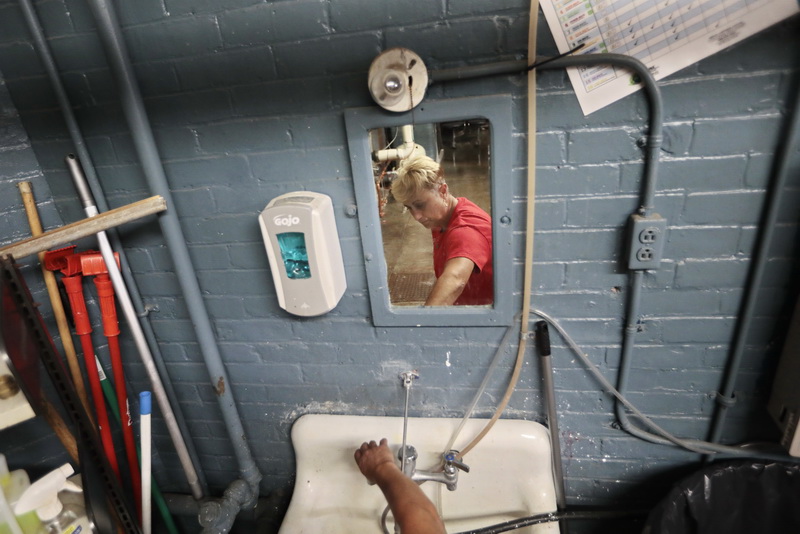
(411, 453)
(408, 465)
(451, 459)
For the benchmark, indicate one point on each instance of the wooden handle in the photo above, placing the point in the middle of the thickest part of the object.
(55, 300)
(89, 226)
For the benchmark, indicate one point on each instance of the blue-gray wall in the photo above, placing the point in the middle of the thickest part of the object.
(247, 102)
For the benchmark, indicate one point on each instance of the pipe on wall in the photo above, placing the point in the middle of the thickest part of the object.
(656, 116)
(144, 142)
(725, 397)
(46, 56)
(404, 150)
(637, 277)
(653, 147)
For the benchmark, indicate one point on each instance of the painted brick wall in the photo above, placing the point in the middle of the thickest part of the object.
(247, 100)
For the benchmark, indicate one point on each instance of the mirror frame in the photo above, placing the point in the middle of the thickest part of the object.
(497, 110)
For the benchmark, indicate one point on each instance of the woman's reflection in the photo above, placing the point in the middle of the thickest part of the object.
(461, 231)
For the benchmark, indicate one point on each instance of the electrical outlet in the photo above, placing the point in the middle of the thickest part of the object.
(647, 241)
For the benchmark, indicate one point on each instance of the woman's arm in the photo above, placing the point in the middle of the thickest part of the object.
(412, 510)
(451, 283)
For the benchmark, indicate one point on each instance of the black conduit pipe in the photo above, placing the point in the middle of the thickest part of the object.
(133, 107)
(551, 517)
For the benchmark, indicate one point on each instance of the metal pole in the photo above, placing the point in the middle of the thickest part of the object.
(133, 107)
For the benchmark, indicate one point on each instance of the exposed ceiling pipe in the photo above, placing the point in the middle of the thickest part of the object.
(133, 107)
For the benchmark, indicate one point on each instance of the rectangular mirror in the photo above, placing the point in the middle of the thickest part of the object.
(468, 140)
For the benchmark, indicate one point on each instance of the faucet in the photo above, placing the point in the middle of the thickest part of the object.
(448, 476)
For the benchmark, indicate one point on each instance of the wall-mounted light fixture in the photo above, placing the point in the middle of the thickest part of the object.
(398, 79)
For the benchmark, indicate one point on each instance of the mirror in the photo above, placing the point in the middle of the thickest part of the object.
(461, 148)
(471, 138)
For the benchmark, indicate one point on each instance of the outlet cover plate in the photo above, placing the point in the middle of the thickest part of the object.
(648, 233)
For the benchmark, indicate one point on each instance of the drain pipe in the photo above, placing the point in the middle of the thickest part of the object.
(133, 107)
(405, 149)
(218, 516)
(46, 56)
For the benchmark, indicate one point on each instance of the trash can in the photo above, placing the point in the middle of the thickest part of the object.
(744, 496)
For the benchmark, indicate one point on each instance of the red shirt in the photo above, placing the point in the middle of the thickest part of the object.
(468, 235)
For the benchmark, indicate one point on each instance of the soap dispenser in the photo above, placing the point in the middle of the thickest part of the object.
(56, 518)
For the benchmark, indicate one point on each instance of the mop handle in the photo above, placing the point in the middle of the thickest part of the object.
(144, 429)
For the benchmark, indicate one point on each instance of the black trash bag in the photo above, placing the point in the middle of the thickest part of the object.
(740, 497)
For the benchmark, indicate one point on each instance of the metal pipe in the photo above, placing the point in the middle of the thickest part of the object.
(133, 107)
(138, 336)
(218, 516)
(408, 380)
(652, 154)
(654, 137)
(545, 360)
(653, 146)
(45, 55)
(767, 229)
(655, 125)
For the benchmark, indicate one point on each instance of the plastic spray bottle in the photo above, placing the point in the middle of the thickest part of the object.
(8, 523)
(13, 485)
(42, 496)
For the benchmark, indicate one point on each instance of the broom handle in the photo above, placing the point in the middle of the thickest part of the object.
(55, 300)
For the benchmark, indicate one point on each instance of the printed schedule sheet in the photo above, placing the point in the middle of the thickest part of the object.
(665, 35)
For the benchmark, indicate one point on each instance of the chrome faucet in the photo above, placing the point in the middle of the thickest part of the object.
(448, 476)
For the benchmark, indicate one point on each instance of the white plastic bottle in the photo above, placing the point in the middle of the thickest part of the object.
(13, 485)
(8, 523)
(56, 518)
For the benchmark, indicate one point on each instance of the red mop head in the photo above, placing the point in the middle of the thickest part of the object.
(64, 260)
(92, 263)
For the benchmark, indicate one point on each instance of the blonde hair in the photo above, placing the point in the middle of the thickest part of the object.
(415, 174)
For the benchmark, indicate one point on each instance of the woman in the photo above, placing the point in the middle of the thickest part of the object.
(461, 231)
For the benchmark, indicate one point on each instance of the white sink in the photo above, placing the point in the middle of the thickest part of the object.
(510, 474)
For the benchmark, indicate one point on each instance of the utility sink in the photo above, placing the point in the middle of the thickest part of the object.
(510, 473)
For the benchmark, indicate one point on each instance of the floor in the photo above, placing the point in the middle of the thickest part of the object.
(407, 244)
